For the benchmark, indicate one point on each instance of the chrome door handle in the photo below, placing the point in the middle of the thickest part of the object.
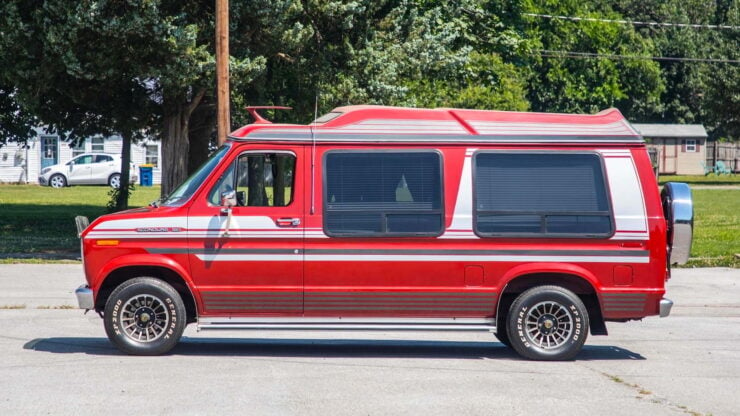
(288, 222)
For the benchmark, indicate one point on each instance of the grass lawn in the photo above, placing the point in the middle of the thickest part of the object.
(716, 228)
(710, 179)
(36, 220)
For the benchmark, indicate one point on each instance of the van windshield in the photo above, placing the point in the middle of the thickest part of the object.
(183, 192)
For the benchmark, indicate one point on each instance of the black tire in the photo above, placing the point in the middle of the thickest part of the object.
(57, 181)
(144, 316)
(114, 180)
(557, 323)
(502, 335)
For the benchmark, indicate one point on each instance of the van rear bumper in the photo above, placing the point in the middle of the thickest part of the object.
(665, 307)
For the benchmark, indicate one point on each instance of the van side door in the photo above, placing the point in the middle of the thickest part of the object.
(249, 261)
(372, 249)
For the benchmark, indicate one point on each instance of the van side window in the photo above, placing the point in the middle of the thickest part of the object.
(383, 193)
(540, 194)
(260, 180)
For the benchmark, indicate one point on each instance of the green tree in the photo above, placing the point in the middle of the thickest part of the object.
(696, 92)
(15, 123)
(66, 68)
(569, 84)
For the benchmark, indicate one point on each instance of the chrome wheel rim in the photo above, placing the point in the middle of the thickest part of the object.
(57, 182)
(115, 181)
(549, 325)
(144, 318)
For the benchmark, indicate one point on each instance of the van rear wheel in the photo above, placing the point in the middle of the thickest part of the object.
(144, 316)
(548, 323)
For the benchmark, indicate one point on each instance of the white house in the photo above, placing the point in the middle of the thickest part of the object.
(22, 164)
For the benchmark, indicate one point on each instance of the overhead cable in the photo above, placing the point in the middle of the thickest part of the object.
(587, 55)
(632, 22)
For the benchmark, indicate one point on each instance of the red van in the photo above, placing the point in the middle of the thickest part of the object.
(536, 227)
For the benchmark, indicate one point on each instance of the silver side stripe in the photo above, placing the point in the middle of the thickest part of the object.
(399, 252)
(593, 256)
(338, 137)
(422, 258)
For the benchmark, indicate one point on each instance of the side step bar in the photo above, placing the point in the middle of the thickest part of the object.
(351, 324)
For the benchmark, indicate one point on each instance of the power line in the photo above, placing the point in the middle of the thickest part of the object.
(632, 22)
(588, 55)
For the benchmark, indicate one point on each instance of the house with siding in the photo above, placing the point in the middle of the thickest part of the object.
(680, 148)
(22, 163)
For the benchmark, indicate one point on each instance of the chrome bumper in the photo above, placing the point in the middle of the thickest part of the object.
(85, 298)
(665, 307)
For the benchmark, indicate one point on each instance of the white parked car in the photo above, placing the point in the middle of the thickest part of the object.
(86, 169)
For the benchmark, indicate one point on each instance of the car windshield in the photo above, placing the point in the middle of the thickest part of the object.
(183, 192)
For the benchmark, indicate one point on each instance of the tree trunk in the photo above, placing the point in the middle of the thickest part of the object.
(202, 126)
(175, 144)
(279, 172)
(123, 189)
(256, 195)
(175, 149)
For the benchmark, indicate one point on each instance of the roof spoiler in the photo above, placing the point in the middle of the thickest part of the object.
(258, 119)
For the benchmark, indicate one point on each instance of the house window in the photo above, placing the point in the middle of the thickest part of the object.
(98, 145)
(383, 193)
(152, 155)
(691, 145)
(78, 148)
(540, 195)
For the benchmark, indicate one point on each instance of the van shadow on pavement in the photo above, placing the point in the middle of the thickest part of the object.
(341, 348)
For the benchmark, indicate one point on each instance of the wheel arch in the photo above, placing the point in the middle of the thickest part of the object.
(570, 277)
(119, 275)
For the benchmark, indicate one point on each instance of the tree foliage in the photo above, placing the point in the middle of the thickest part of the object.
(136, 67)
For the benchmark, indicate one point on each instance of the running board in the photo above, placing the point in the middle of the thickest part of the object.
(347, 324)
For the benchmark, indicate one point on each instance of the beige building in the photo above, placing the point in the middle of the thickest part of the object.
(681, 148)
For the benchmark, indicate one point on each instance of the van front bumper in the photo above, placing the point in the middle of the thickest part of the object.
(85, 298)
(665, 307)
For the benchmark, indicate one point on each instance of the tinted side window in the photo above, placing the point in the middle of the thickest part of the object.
(540, 194)
(382, 193)
(103, 159)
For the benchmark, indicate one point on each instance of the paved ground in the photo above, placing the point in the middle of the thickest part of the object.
(57, 361)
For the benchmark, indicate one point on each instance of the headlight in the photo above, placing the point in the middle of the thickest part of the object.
(44, 170)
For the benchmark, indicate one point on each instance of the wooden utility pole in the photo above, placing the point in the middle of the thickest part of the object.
(222, 69)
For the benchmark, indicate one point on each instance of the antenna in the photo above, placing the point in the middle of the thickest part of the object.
(313, 154)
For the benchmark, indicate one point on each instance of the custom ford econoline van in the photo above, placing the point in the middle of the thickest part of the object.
(537, 227)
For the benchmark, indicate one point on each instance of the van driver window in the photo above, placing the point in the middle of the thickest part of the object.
(260, 180)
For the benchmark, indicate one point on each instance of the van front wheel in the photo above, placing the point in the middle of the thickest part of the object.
(144, 316)
(548, 323)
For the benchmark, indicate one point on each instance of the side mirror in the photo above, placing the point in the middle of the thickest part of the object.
(228, 199)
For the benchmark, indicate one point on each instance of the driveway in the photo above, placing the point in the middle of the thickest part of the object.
(57, 361)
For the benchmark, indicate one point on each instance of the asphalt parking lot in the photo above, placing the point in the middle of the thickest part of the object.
(57, 361)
